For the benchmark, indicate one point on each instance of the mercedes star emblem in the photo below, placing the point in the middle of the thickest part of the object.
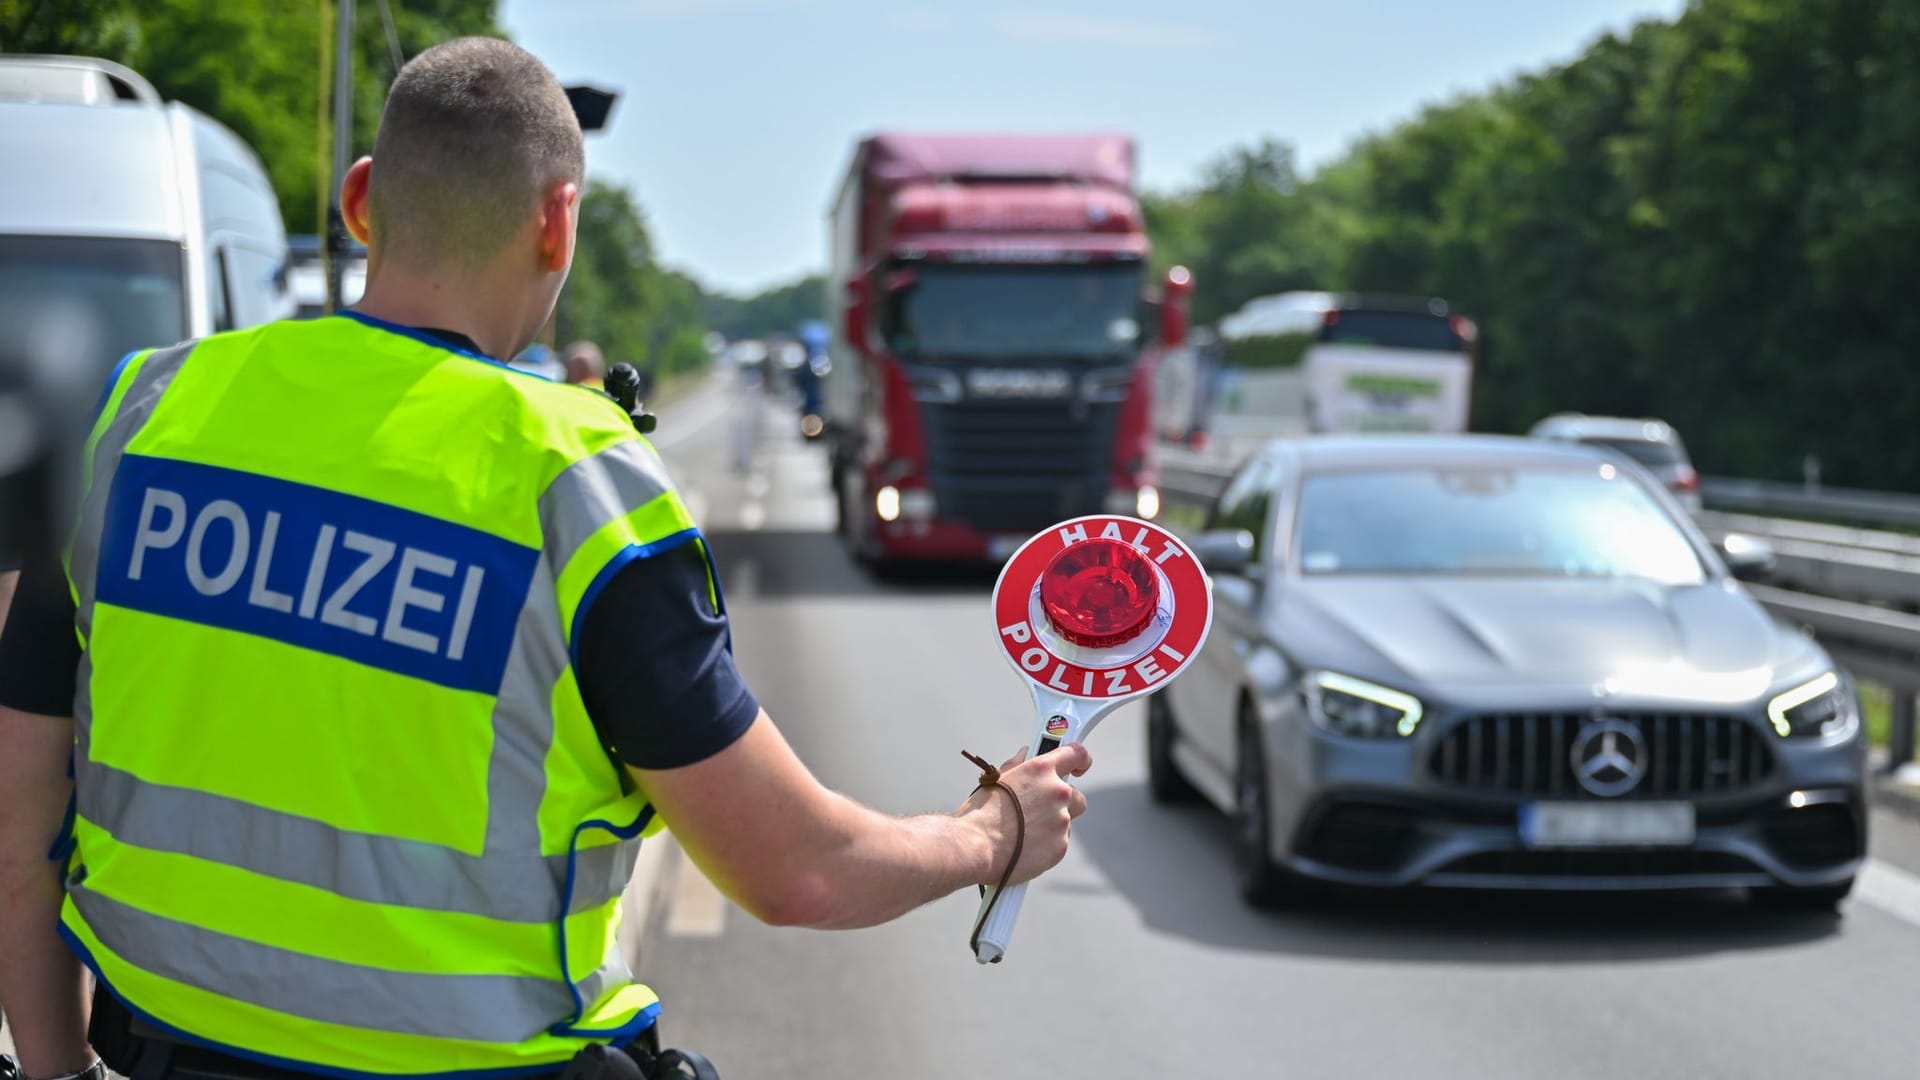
(1609, 757)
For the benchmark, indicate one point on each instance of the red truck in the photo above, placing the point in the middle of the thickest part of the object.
(994, 343)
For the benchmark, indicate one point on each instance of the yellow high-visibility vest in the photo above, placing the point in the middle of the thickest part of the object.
(339, 803)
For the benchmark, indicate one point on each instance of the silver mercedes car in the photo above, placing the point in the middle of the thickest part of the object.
(1503, 663)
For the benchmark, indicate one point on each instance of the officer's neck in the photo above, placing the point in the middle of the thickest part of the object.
(494, 318)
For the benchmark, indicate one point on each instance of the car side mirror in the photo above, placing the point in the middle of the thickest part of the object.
(1748, 558)
(1226, 551)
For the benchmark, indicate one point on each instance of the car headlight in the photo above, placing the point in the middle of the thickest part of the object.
(1345, 705)
(1821, 707)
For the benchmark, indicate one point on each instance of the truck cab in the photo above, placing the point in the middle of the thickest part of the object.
(997, 331)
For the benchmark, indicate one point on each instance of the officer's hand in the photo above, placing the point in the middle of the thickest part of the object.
(1049, 802)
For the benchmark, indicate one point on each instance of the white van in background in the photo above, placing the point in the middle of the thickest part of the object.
(1311, 363)
(125, 222)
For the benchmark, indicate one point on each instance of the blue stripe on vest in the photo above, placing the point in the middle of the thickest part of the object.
(338, 574)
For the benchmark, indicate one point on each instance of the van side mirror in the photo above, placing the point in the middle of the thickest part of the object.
(1748, 558)
(1225, 551)
(855, 316)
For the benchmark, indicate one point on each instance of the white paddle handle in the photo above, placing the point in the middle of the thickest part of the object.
(998, 929)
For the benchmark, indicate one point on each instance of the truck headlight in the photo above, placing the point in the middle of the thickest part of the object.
(1822, 707)
(1354, 707)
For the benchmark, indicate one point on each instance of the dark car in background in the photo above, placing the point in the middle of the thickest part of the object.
(1502, 663)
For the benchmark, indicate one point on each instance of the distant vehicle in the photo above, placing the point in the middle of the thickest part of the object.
(1492, 662)
(127, 223)
(1185, 381)
(1314, 363)
(307, 276)
(994, 341)
(540, 359)
(1653, 444)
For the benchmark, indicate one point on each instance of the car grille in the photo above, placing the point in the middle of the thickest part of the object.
(1018, 466)
(1596, 864)
(1530, 754)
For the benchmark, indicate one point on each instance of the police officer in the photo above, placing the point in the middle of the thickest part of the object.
(380, 658)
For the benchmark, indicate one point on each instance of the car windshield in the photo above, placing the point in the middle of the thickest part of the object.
(1553, 522)
(940, 312)
(1648, 452)
(103, 297)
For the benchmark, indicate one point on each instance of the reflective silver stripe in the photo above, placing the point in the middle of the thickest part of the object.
(136, 408)
(613, 972)
(595, 490)
(478, 1008)
(523, 724)
(358, 866)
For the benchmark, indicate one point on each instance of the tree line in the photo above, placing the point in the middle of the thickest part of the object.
(1714, 220)
(262, 69)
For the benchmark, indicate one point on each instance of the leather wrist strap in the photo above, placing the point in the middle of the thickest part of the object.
(990, 778)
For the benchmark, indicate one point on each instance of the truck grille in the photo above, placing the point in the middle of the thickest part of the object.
(1530, 754)
(1018, 466)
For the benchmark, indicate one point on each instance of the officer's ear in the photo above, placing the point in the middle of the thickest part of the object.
(353, 199)
(557, 219)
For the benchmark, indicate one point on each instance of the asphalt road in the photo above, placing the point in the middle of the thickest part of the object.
(1134, 958)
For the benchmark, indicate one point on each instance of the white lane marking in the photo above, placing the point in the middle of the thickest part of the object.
(758, 485)
(1891, 889)
(697, 909)
(753, 515)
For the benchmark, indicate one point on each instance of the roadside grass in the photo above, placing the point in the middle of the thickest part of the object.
(1876, 708)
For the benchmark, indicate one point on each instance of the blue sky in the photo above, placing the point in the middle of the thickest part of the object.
(737, 116)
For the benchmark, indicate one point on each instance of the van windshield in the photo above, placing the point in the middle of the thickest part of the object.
(99, 297)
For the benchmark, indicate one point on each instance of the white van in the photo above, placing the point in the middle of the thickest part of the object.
(1310, 363)
(125, 222)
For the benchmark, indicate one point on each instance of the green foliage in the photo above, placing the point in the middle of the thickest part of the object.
(619, 298)
(254, 66)
(70, 27)
(1712, 220)
(1265, 350)
(778, 310)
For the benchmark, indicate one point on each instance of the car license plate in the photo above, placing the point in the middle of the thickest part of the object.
(1598, 825)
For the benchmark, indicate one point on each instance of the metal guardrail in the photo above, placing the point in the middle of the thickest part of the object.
(1835, 581)
(1830, 560)
(1797, 500)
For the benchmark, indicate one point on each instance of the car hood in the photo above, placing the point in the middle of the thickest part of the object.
(1637, 637)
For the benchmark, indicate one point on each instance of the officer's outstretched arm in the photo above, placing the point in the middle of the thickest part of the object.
(41, 988)
(793, 853)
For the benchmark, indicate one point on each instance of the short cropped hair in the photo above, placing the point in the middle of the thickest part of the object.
(475, 132)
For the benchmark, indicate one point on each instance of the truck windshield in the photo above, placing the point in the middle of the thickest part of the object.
(1002, 312)
(101, 297)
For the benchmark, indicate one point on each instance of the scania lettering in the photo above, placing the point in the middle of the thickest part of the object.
(995, 343)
